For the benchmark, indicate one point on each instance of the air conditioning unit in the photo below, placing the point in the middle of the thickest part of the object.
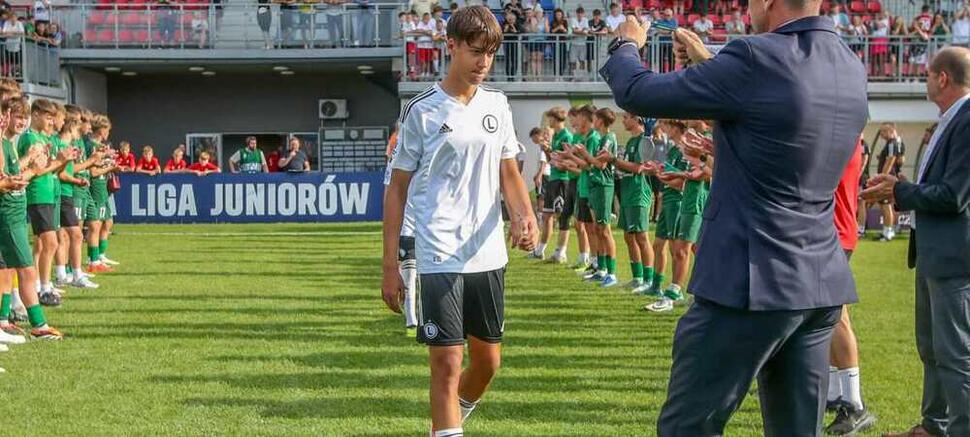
(333, 109)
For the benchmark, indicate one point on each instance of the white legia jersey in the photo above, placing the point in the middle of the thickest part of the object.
(454, 151)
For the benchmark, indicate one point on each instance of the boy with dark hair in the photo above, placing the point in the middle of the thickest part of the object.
(457, 145)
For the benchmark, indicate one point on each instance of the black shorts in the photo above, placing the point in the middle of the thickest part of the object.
(41, 218)
(554, 198)
(69, 217)
(405, 249)
(583, 213)
(456, 305)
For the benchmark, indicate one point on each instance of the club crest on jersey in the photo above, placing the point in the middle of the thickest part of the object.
(490, 123)
(430, 330)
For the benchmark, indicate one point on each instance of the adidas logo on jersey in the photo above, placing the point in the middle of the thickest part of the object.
(444, 129)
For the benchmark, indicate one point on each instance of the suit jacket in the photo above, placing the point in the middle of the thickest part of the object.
(940, 244)
(789, 105)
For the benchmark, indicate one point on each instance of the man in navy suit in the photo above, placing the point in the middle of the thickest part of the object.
(770, 276)
(939, 249)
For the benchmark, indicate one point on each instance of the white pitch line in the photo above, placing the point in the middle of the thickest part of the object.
(252, 234)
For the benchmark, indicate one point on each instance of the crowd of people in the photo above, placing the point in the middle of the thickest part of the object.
(543, 43)
(14, 29)
(58, 168)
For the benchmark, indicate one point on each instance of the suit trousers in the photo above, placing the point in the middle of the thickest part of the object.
(718, 351)
(943, 343)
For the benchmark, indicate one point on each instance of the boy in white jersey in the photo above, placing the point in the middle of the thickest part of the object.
(458, 146)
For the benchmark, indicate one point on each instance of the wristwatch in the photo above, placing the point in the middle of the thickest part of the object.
(619, 42)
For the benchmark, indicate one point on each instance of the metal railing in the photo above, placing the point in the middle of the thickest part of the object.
(29, 61)
(555, 58)
(231, 26)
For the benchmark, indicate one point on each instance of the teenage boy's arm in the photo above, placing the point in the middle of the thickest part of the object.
(395, 198)
(523, 231)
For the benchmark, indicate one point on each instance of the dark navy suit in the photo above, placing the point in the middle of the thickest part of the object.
(770, 276)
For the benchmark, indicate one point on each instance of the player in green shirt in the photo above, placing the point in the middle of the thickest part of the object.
(14, 242)
(557, 201)
(96, 213)
(581, 120)
(671, 132)
(588, 139)
(600, 172)
(636, 200)
(72, 238)
(43, 195)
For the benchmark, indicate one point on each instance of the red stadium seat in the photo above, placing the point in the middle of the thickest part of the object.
(654, 4)
(106, 36)
(691, 19)
(718, 35)
(866, 19)
(716, 20)
(105, 4)
(857, 7)
(179, 36)
(874, 7)
(130, 18)
(110, 18)
(126, 36)
(141, 36)
(726, 18)
(122, 4)
(187, 18)
(96, 18)
(90, 36)
(747, 19)
(140, 5)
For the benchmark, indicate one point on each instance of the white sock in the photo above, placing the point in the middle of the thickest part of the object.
(835, 385)
(851, 390)
(466, 408)
(46, 287)
(887, 231)
(78, 274)
(450, 432)
(560, 252)
(674, 287)
(15, 299)
(409, 275)
(60, 271)
(541, 249)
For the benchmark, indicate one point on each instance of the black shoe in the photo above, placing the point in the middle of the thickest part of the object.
(849, 421)
(833, 406)
(49, 299)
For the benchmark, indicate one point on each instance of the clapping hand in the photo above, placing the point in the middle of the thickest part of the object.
(604, 155)
(880, 187)
(695, 144)
(650, 167)
(688, 48)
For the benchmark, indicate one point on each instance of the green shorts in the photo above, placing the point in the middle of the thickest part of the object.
(601, 203)
(689, 227)
(634, 219)
(15, 246)
(95, 211)
(667, 222)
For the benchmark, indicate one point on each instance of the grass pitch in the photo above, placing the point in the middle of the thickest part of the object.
(280, 330)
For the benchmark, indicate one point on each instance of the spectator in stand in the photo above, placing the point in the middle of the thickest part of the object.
(148, 163)
(939, 28)
(425, 30)
(42, 11)
(879, 48)
(264, 18)
(840, 18)
(890, 162)
(167, 20)
(666, 44)
(55, 34)
(919, 45)
(408, 34)
(177, 164)
(13, 32)
(961, 28)
(125, 159)
(924, 19)
(249, 159)
(703, 27)
(615, 17)
(295, 160)
(535, 26)
(644, 16)
(200, 29)
(5, 6)
(736, 26)
(560, 27)
(857, 32)
(288, 11)
(577, 47)
(335, 21)
(307, 12)
(273, 160)
(204, 166)
(421, 7)
(40, 33)
(516, 7)
(440, 40)
(510, 37)
(596, 25)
